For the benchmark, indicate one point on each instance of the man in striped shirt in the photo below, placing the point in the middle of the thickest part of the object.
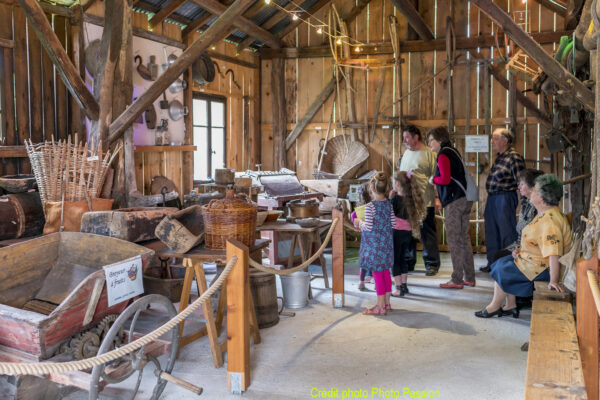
(502, 185)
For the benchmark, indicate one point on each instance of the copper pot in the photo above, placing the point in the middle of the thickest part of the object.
(303, 209)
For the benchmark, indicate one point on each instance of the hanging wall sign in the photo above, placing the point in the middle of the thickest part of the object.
(124, 280)
(477, 144)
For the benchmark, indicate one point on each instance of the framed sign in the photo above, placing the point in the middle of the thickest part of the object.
(124, 280)
(477, 144)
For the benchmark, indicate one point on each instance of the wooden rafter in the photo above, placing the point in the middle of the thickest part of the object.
(206, 38)
(293, 24)
(242, 23)
(144, 5)
(268, 24)
(195, 24)
(415, 20)
(380, 48)
(555, 71)
(164, 12)
(65, 68)
(553, 6)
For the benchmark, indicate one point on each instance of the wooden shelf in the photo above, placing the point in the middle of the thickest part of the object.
(160, 149)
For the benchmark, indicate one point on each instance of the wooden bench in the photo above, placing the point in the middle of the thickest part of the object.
(554, 369)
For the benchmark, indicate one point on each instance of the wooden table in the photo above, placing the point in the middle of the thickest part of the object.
(308, 240)
(193, 260)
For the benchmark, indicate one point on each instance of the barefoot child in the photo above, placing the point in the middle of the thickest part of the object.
(376, 250)
(409, 209)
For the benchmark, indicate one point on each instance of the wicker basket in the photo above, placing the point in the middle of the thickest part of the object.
(229, 218)
(344, 157)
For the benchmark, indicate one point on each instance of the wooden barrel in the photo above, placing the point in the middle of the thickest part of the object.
(21, 215)
(264, 294)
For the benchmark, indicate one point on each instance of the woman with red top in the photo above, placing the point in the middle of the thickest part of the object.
(450, 181)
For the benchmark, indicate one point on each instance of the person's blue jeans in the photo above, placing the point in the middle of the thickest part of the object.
(500, 222)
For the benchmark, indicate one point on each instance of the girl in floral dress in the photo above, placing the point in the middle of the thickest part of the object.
(376, 245)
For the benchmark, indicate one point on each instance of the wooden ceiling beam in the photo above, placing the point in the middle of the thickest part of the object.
(164, 12)
(65, 68)
(377, 48)
(267, 24)
(206, 38)
(154, 9)
(196, 24)
(242, 23)
(293, 24)
(553, 6)
(555, 71)
(415, 20)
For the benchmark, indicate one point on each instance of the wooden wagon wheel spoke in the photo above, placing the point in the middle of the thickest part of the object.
(135, 362)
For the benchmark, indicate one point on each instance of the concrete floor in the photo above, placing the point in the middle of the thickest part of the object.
(430, 341)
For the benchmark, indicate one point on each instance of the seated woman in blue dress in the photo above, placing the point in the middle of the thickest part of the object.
(543, 241)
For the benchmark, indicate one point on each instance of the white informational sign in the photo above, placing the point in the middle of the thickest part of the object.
(124, 280)
(477, 144)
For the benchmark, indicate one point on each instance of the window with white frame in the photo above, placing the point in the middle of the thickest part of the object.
(209, 135)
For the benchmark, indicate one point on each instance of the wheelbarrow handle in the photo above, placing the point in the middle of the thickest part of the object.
(180, 382)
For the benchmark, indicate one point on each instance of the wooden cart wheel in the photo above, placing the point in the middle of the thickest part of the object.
(138, 315)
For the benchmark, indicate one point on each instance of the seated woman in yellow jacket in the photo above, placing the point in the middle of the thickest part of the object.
(543, 241)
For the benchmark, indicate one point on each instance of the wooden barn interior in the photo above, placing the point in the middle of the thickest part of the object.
(167, 159)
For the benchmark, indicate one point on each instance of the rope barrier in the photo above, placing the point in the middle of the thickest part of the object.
(594, 288)
(305, 264)
(48, 368)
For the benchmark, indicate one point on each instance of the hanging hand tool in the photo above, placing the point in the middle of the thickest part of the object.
(142, 69)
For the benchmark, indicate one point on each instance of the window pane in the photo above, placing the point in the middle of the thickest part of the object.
(201, 154)
(200, 108)
(217, 114)
(218, 149)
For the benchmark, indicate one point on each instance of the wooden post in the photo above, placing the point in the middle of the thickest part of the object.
(187, 165)
(512, 102)
(238, 329)
(587, 326)
(279, 114)
(246, 133)
(338, 246)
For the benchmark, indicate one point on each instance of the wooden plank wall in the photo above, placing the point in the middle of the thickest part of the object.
(427, 107)
(42, 105)
(44, 108)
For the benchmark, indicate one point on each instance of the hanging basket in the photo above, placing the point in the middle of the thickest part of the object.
(344, 157)
(229, 218)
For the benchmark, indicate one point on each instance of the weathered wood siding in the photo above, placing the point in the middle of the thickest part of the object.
(426, 107)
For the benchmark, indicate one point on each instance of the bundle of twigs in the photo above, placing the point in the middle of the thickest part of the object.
(69, 171)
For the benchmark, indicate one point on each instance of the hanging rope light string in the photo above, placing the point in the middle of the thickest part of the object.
(303, 15)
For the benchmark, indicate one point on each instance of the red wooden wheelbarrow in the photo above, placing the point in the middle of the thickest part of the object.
(54, 307)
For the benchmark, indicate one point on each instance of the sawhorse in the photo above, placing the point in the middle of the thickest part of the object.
(212, 328)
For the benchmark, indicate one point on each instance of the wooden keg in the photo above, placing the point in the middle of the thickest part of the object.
(264, 294)
(21, 215)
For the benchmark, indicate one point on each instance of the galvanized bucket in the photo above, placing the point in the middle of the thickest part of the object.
(295, 289)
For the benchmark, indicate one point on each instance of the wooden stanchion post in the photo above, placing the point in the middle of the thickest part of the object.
(238, 328)
(587, 326)
(338, 245)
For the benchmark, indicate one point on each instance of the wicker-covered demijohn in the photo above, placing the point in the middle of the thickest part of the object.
(343, 156)
(229, 218)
